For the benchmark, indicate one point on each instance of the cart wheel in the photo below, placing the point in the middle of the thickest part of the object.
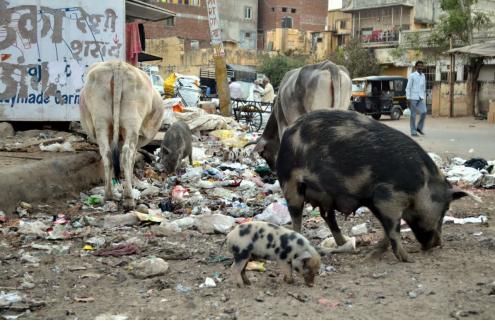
(376, 116)
(252, 116)
(395, 113)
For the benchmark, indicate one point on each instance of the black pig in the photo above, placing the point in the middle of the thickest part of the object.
(341, 160)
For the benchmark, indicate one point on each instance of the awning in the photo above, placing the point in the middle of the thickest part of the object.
(136, 9)
(143, 56)
(486, 49)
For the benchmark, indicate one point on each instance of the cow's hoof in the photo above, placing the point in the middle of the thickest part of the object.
(129, 204)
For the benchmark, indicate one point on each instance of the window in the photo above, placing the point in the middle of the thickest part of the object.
(247, 35)
(284, 9)
(340, 40)
(273, 9)
(248, 13)
(286, 22)
(194, 44)
(170, 22)
(293, 10)
(342, 24)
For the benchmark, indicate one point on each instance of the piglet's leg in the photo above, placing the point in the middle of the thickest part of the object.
(239, 273)
(286, 268)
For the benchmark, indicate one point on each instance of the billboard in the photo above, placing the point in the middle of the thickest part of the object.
(45, 48)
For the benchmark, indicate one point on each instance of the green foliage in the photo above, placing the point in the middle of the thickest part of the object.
(459, 22)
(359, 61)
(275, 67)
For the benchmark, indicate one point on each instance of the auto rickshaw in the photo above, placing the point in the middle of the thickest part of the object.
(379, 95)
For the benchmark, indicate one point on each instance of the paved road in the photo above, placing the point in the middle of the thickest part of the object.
(464, 137)
(450, 137)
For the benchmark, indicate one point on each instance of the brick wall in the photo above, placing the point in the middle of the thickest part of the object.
(308, 15)
(191, 23)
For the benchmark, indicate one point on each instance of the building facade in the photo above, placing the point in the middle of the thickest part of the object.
(301, 15)
(239, 21)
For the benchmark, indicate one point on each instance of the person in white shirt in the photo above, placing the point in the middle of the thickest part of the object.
(416, 97)
(235, 89)
(258, 91)
(269, 95)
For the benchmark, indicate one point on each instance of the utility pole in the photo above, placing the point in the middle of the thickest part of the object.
(451, 81)
(219, 57)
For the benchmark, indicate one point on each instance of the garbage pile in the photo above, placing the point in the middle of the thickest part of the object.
(475, 172)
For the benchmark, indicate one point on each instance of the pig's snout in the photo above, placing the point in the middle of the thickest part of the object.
(309, 279)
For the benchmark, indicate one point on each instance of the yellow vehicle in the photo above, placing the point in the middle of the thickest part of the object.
(379, 95)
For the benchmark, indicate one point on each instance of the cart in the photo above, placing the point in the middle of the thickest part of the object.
(250, 113)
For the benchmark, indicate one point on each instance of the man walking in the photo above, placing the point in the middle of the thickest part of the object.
(416, 95)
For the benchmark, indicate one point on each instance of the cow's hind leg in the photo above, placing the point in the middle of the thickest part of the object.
(106, 156)
(127, 158)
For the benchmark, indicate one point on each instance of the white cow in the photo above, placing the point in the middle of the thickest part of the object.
(121, 112)
(319, 86)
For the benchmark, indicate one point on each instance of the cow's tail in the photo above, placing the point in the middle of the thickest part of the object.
(117, 97)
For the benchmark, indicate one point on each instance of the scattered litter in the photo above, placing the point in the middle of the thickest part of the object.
(182, 289)
(330, 246)
(276, 213)
(460, 173)
(474, 220)
(211, 223)
(57, 147)
(96, 241)
(256, 266)
(94, 200)
(150, 191)
(166, 229)
(185, 223)
(436, 159)
(33, 228)
(178, 192)
(153, 218)
(121, 220)
(209, 283)
(361, 229)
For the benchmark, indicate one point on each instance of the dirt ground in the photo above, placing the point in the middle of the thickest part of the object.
(456, 281)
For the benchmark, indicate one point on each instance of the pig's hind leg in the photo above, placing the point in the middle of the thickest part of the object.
(329, 217)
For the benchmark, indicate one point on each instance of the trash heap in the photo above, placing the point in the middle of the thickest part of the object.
(475, 172)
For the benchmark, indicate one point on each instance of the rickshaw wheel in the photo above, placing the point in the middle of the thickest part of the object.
(395, 113)
(252, 116)
(376, 116)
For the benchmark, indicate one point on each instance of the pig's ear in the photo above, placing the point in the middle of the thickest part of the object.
(260, 146)
(458, 193)
(165, 151)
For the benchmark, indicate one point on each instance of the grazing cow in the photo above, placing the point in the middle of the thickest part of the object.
(121, 112)
(302, 90)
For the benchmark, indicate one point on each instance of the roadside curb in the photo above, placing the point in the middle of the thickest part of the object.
(48, 179)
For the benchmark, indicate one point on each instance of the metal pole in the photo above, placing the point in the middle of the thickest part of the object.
(451, 82)
(219, 57)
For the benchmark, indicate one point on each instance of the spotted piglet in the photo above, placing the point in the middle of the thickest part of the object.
(268, 241)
